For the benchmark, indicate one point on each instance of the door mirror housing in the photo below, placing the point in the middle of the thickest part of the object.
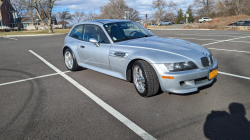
(93, 40)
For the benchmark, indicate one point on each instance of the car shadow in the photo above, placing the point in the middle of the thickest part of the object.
(221, 125)
(80, 69)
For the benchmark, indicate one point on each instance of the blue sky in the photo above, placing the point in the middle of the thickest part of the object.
(143, 6)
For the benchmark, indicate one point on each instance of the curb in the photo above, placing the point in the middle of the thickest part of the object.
(33, 35)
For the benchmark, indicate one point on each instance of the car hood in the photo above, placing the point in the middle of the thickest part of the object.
(169, 45)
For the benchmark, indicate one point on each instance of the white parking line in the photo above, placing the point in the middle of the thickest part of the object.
(229, 74)
(31, 78)
(225, 40)
(193, 38)
(206, 35)
(13, 38)
(240, 41)
(139, 131)
(207, 39)
(10, 38)
(229, 50)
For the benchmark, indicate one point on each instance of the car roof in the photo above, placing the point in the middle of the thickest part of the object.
(105, 21)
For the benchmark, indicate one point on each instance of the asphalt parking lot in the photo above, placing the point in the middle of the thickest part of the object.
(41, 99)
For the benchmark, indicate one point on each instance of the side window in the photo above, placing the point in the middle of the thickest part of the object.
(94, 31)
(77, 32)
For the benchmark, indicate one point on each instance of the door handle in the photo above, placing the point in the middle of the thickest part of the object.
(82, 46)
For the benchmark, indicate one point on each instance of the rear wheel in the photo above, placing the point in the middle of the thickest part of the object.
(145, 79)
(70, 60)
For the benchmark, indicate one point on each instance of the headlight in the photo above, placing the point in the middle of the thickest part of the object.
(182, 66)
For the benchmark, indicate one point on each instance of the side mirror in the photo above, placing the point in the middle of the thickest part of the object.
(93, 40)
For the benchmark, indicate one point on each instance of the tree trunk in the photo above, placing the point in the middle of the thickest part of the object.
(50, 29)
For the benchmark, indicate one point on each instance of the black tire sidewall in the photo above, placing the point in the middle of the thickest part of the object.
(145, 77)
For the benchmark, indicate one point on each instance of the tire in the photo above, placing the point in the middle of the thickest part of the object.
(70, 60)
(204, 21)
(145, 79)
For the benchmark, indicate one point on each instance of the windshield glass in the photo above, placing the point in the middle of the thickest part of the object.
(121, 31)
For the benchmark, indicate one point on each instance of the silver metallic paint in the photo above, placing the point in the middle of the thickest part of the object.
(155, 50)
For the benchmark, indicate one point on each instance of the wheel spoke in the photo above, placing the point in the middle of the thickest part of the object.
(140, 73)
(69, 60)
(138, 79)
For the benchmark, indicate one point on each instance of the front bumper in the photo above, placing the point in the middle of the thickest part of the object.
(184, 81)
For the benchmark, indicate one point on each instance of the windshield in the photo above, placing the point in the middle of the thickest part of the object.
(121, 31)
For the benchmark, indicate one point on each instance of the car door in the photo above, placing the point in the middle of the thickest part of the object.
(90, 53)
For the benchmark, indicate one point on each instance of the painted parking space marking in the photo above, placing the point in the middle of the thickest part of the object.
(28, 79)
(13, 38)
(229, 50)
(240, 41)
(225, 40)
(208, 39)
(135, 128)
(10, 38)
(206, 35)
(229, 74)
(193, 38)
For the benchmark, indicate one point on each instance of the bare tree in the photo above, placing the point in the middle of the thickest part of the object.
(64, 15)
(44, 11)
(160, 6)
(172, 6)
(20, 6)
(23, 8)
(164, 9)
(207, 5)
(171, 16)
(133, 14)
(91, 16)
(30, 10)
(232, 7)
(113, 9)
(77, 17)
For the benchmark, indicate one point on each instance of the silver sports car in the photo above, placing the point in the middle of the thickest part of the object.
(126, 50)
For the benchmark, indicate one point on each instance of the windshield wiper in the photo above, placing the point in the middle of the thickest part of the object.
(145, 36)
(125, 38)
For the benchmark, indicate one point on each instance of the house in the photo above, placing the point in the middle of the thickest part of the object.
(6, 17)
(6, 13)
(24, 22)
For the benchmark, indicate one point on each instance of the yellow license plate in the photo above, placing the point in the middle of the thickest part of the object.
(213, 73)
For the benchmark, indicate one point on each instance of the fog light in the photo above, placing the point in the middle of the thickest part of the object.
(187, 83)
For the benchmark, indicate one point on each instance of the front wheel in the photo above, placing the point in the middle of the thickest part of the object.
(145, 79)
(70, 60)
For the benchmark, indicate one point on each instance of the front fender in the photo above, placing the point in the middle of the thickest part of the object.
(73, 48)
